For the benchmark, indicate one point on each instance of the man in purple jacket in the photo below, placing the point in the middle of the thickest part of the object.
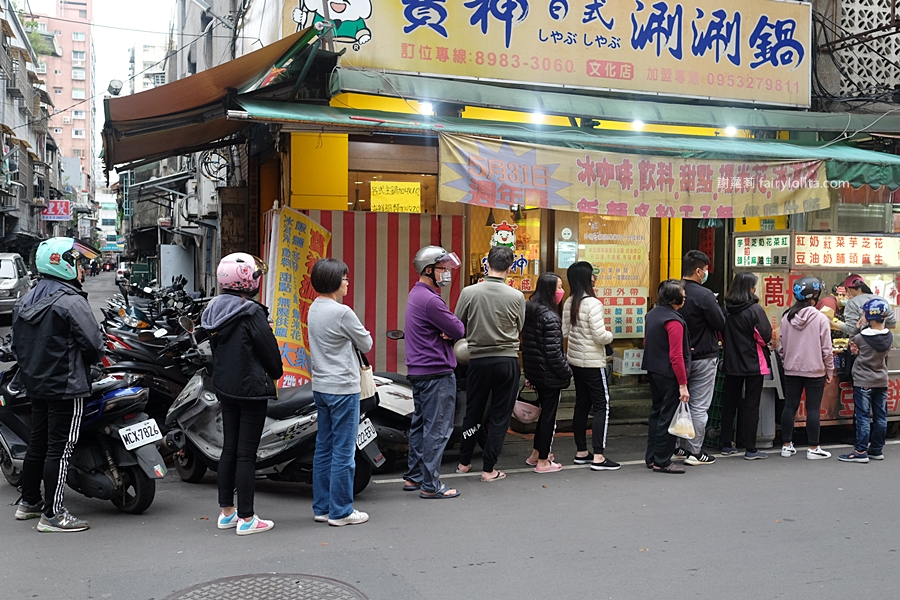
(430, 331)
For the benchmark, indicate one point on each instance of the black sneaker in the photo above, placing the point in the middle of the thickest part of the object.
(680, 454)
(584, 460)
(606, 465)
(61, 522)
(700, 459)
(25, 511)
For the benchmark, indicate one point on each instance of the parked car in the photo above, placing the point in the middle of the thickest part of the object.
(123, 273)
(15, 281)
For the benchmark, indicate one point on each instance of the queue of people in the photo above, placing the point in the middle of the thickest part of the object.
(681, 357)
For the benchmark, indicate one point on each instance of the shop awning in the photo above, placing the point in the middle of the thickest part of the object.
(843, 162)
(188, 114)
(572, 104)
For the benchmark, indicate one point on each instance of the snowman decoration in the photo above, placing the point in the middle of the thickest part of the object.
(504, 235)
(348, 16)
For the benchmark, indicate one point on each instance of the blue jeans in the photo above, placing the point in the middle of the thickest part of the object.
(334, 465)
(429, 432)
(864, 400)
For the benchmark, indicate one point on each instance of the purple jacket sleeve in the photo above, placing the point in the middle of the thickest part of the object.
(441, 317)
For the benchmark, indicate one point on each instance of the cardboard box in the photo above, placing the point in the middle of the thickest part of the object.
(628, 362)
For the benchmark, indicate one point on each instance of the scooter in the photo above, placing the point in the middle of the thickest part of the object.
(393, 416)
(116, 457)
(289, 437)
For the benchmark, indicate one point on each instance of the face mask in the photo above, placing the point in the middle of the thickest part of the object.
(559, 295)
(842, 300)
(704, 278)
(444, 280)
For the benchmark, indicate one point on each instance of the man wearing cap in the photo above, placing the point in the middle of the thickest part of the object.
(430, 331)
(859, 293)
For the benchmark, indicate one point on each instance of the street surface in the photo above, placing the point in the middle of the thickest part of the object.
(779, 528)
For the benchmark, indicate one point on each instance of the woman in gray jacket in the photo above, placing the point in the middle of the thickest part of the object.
(583, 325)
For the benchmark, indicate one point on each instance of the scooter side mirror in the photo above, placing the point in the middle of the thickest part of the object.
(395, 334)
(187, 324)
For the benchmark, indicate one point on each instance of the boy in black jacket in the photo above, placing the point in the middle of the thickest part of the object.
(704, 321)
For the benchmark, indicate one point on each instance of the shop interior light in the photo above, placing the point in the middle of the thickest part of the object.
(426, 108)
(637, 125)
(490, 219)
(517, 214)
(730, 131)
(537, 117)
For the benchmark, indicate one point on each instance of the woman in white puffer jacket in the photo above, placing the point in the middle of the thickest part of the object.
(584, 327)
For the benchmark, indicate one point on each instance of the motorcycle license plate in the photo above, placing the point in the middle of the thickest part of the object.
(366, 434)
(140, 434)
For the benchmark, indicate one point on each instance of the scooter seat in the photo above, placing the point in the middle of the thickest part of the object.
(290, 401)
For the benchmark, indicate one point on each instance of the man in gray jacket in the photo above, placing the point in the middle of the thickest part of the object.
(859, 294)
(56, 340)
(493, 313)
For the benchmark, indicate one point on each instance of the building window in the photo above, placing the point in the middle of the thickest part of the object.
(78, 133)
(41, 68)
(146, 85)
(57, 130)
(78, 74)
(57, 90)
(78, 54)
(57, 32)
(111, 237)
(78, 152)
(42, 27)
(148, 65)
(78, 114)
(57, 72)
(82, 14)
(78, 93)
(159, 79)
(77, 36)
(108, 222)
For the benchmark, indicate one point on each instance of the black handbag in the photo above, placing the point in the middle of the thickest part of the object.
(843, 365)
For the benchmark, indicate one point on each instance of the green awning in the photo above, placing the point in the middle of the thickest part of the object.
(573, 104)
(843, 162)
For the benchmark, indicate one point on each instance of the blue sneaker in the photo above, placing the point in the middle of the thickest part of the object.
(755, 455)
(855, 456)
(728, 450)
(228, 522)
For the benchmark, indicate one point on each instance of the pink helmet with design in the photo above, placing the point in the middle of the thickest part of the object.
(240, 272)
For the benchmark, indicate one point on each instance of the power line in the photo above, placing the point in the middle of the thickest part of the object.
(35, 16)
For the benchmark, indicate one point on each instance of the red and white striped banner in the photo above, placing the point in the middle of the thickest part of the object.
(379, 249)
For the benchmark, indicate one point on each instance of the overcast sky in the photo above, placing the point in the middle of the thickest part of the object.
(113, 35)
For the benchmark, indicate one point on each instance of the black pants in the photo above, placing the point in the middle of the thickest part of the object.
(590, 394)
(546, 426)
(55, 427)
(742, 395)
(242, 425)
(660, 443)
(793, 390)
(498, 378)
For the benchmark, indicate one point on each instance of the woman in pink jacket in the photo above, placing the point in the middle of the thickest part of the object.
(808, 365)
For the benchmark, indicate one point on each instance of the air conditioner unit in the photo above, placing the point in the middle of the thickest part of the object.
(67, 120)
(77, 63)
(209, 206)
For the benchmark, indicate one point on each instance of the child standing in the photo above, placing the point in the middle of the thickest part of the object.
(870, 381)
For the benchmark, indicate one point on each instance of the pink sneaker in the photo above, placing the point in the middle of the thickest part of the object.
(253, 525)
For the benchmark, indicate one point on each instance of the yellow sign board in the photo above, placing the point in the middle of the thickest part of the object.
(724, 49)
(297, 242)
(495, 173)
(396, 196)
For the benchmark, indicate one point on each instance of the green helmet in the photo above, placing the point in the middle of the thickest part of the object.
(58, 257)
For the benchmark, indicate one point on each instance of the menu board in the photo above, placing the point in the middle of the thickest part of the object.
(846, 251)
(762, 250)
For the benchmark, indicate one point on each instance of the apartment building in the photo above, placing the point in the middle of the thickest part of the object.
(147, 64)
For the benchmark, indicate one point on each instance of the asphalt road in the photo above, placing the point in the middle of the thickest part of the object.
(780, 528)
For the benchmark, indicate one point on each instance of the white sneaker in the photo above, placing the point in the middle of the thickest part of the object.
(253, 525)
(354, 518)
(321, 518)
(788, 451)
(817, 454)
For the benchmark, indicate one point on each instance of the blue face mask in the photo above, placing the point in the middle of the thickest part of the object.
(705, 277)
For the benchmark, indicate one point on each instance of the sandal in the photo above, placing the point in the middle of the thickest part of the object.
(670, 468)
(440, 494)
(528, 462)
(412, 488)
(500, 475)
(463, 468)
(554, 467)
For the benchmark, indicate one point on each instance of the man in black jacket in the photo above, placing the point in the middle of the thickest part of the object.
(56, 340)
(705, 320)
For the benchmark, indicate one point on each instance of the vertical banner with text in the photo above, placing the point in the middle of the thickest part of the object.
(296, 243)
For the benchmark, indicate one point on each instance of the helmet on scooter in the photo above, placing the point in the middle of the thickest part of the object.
(876, 309)
(240, 272)
(58, 257)
(807, 288)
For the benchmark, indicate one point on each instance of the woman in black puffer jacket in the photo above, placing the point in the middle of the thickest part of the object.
(546, 368)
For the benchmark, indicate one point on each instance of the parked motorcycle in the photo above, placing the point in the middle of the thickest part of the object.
(289, 437)
(116, 457)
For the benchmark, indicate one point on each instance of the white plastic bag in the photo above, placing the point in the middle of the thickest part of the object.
(682, 426)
